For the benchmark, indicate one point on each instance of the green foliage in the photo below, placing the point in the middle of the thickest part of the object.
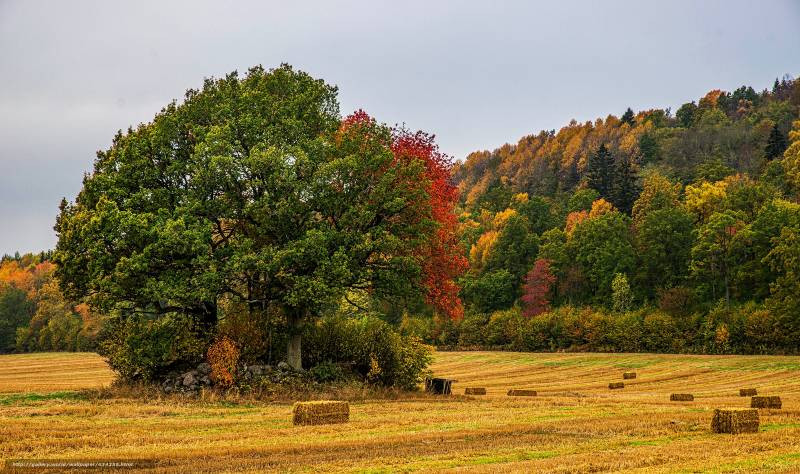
(538, 213)
(515, 248)
(327, 372)
(490, 291)
(776, 143)
(600, 171)
(664, 241)
(715, 253)
(748, 329)
(371, 347)
(472, 329)
(602, 247)
(141, 348)
(621, 297)
(16, 311)
(686, 114)
(784, 302)
(582, 200)
(252, 189)
(624, 188)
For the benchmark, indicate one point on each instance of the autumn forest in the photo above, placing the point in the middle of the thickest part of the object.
(653, 230)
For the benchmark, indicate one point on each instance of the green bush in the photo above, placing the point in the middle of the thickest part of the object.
(748, 329)
(140, 348)
(471, 329)
(375, 351)
(327, 372)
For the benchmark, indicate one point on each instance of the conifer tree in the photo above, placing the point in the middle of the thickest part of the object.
(624, 188)
(776, 143)
(627, 117)
(599, 170)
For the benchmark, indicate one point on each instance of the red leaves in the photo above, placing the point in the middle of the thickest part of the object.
(442, 258)
(536, 291)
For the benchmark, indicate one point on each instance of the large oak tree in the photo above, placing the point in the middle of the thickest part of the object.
(254, 189)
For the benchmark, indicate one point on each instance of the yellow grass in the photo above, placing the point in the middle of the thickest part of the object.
(575, 424)
(53, 371)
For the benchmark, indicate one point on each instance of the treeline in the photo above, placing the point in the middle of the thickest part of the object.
(34, 315)
(685, 227)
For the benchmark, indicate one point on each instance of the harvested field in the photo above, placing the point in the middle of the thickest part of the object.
(575, 424)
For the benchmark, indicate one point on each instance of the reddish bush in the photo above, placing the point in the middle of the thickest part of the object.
(223, 355)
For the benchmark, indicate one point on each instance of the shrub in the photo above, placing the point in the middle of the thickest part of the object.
(223, 356)
(503, 327)
(659, 332)
(416, 326)
(327, 372)
(677, 301)
(627, 332)
(371, 346)
(140, 348)
(471, 329)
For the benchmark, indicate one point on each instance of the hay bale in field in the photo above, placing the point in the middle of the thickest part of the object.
(521, 393)
(474, 391)
(615, 385)
(629, 375)
(766, 402)
(321, 412)
(747, 392)
(681, 397)
(439, 386)
(735, 421)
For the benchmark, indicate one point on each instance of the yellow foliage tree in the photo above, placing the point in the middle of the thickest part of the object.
(657, 193)
(600, 207)
(705, 198)
(502, 217)
(791, 157)
(480, 251)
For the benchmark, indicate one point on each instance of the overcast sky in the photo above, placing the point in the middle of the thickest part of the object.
(477, 74)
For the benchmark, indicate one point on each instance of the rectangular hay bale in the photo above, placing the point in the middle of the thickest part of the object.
(766, 402)
(615, 385)
(681, 397)
(629, 375)
(321, 412)
(521, 393)
(735, 421)
(747, 392)
(474, 391)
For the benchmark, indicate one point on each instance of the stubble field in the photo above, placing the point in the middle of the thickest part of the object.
(575, 424)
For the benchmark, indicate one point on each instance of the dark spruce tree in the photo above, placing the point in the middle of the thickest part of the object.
(776, 143)
(599, 171)
(624, 185)
(627, 117)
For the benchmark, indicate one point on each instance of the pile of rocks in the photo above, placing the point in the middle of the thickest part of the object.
(190, 381)
(193, 380)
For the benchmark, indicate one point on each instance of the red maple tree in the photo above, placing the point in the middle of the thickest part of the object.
(441, 257)
(536, 290)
